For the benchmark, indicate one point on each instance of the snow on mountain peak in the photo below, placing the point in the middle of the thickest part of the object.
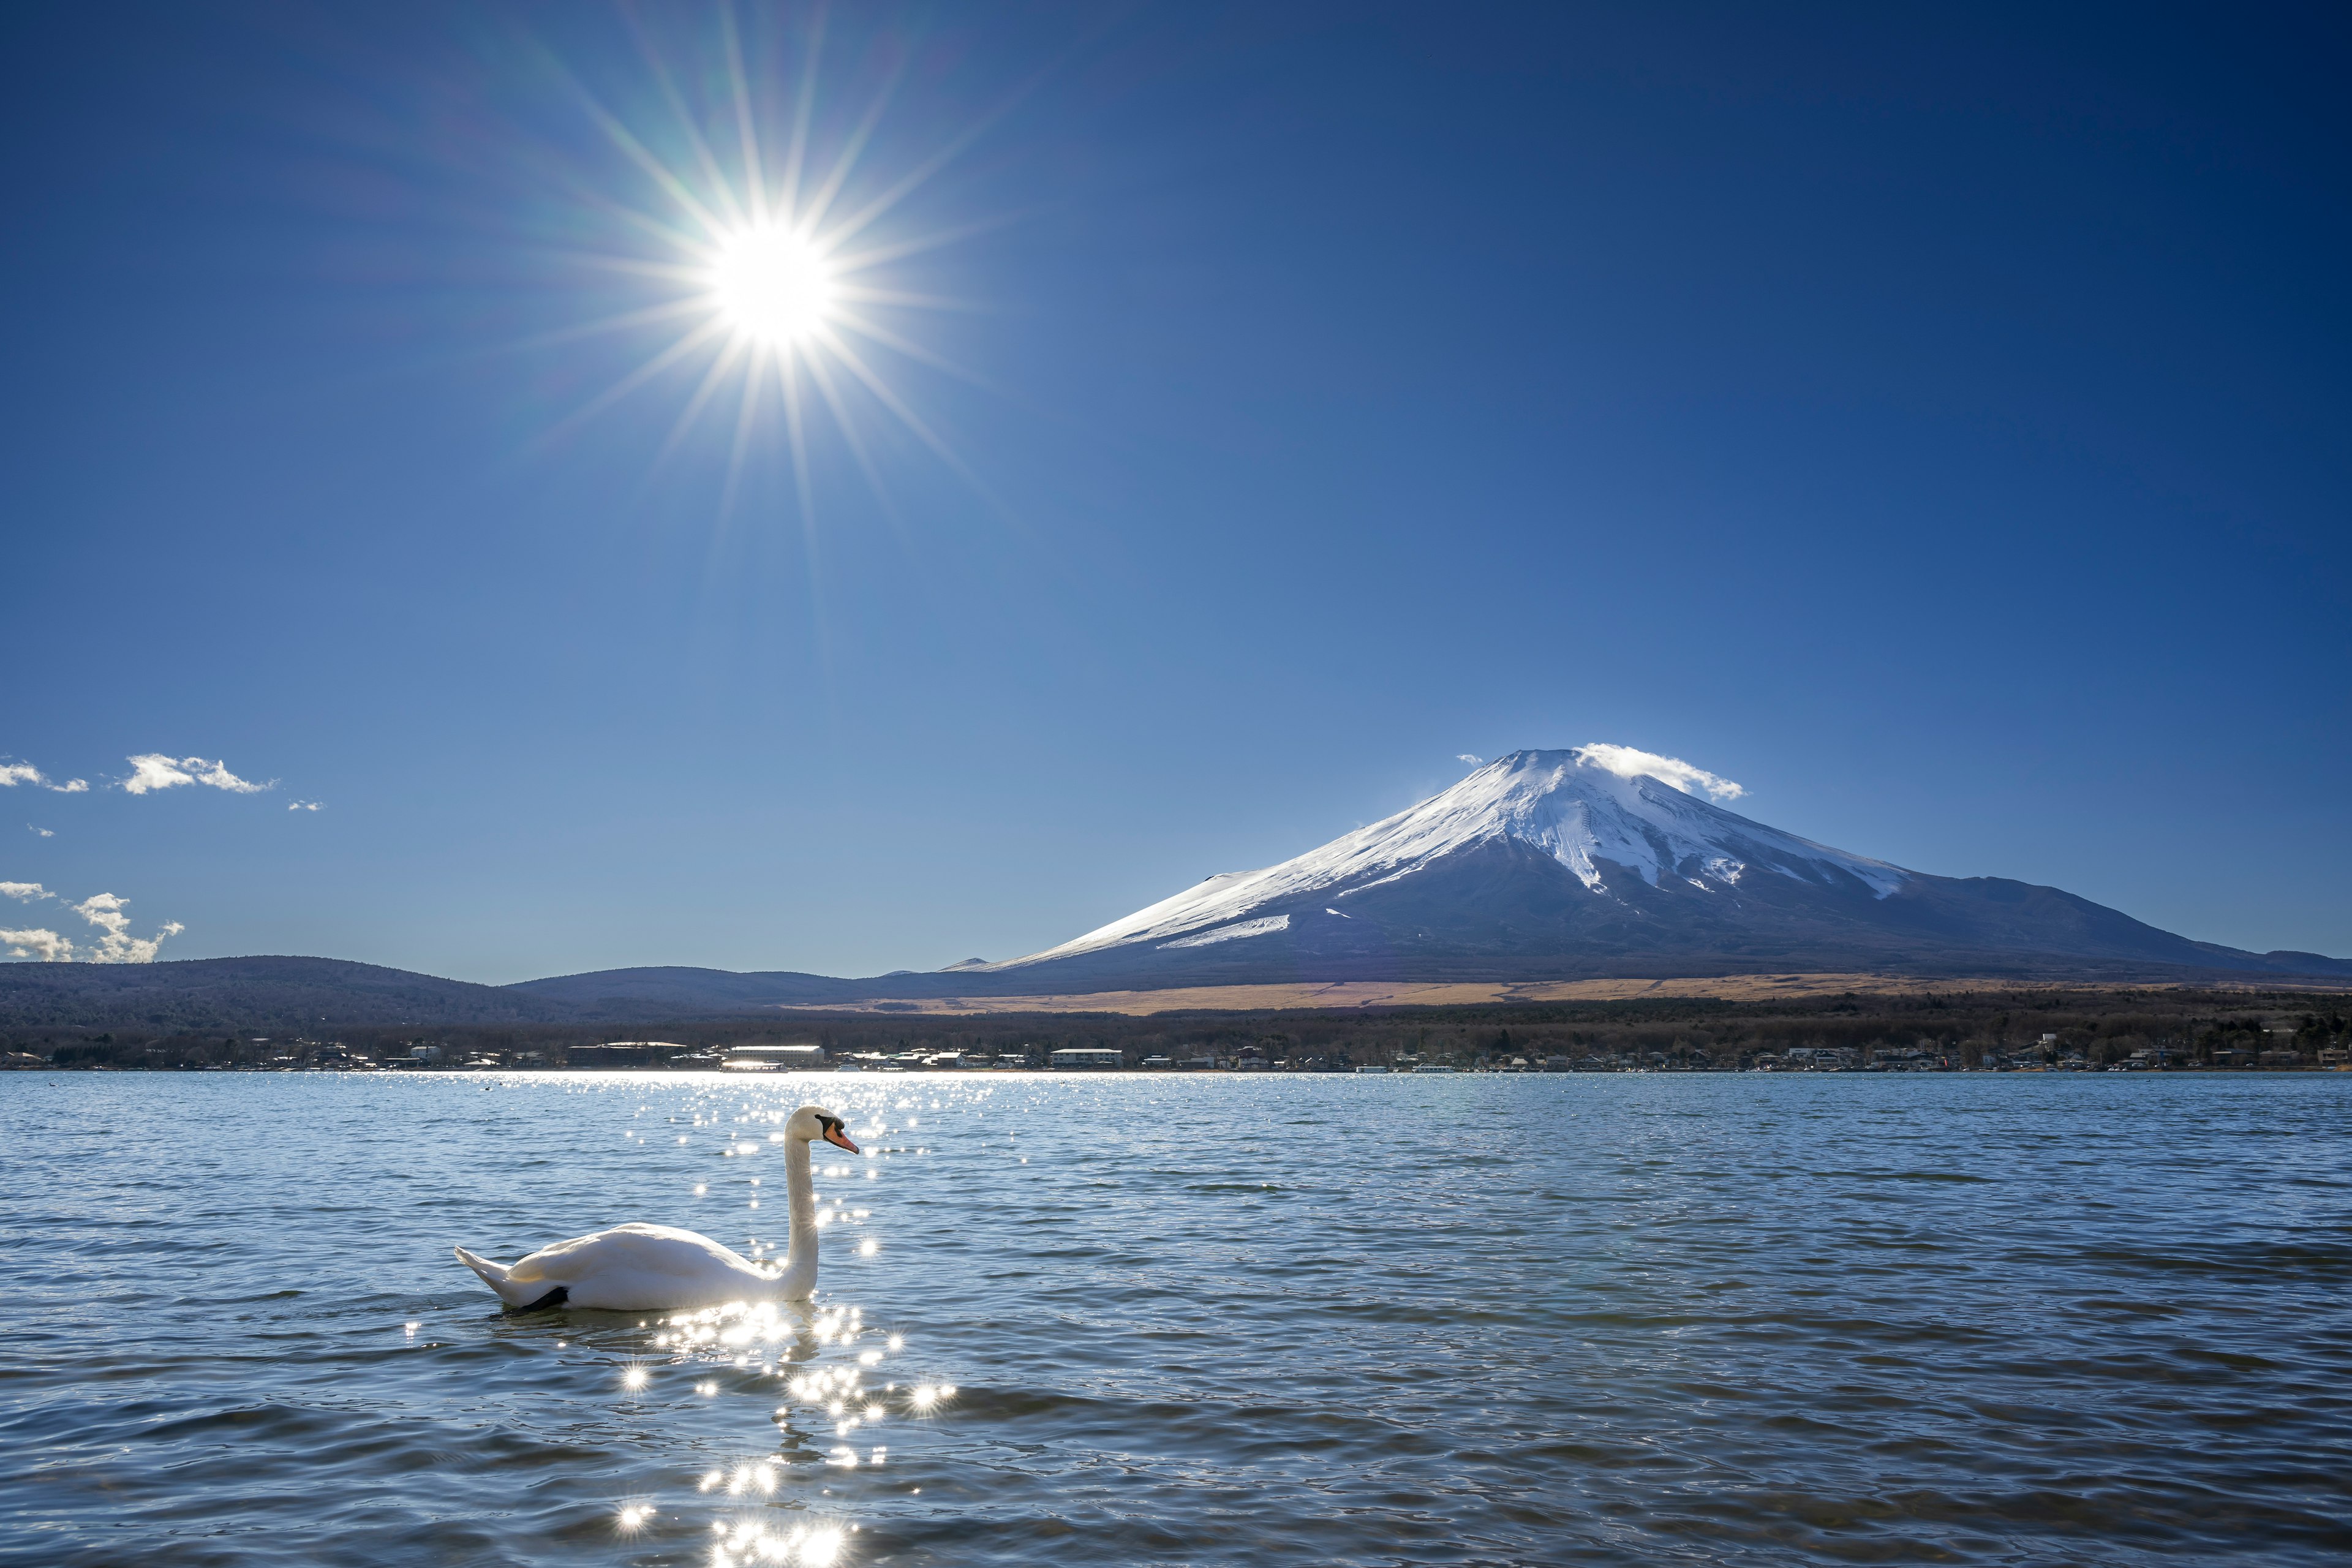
(1583, 806)
(1602, 803)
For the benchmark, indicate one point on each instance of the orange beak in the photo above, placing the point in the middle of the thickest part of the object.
(839, 1137)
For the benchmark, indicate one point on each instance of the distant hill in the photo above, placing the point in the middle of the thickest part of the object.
(310, 994)
(279, 994)
(632, 993)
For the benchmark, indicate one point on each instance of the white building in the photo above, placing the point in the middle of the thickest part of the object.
(811, 1058)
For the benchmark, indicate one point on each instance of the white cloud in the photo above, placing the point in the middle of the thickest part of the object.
(104, 910)
(301, 806)
(217, 775)
(13, 773)
(1627, 762)
(115, 944)
(155, 771)
(44, 832)
(45, 945)
(1466, 757)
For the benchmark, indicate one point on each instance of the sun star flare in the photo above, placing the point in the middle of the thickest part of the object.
(773, 249)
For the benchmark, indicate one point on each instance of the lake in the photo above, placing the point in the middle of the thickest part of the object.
(1190, 1320)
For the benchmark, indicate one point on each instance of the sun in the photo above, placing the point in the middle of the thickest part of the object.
(776, 273)
(773, 284)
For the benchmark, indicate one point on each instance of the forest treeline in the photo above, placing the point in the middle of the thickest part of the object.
(1962, 1029)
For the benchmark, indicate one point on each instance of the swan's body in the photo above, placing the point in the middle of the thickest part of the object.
(630, 1268)
(656, 1267)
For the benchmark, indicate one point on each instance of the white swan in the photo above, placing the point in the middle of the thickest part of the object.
(655, 1268)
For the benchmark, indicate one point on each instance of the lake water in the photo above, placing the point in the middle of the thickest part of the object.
(1194, 1319)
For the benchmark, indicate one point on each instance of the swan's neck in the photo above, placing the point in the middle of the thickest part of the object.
(799, 1198)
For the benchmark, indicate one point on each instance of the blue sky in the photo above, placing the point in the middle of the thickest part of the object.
(1934, 422)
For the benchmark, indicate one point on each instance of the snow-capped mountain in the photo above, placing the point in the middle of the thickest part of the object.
(1598, 859)
(1594, 809)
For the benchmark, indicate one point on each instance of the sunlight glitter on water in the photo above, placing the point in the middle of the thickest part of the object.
(827, 1387)
(1231, 1323)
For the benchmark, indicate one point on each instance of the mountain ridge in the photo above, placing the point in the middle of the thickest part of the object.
(1591, 862)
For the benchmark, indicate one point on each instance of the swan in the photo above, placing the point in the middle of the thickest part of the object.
(657, 1267)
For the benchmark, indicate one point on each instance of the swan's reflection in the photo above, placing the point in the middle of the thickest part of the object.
(823, 1355)
(766, 1344)
(753, 1540)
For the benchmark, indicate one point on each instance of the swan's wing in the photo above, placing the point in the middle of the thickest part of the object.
(641, 1250)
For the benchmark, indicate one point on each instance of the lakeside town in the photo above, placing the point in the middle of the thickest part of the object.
(2312, 1043)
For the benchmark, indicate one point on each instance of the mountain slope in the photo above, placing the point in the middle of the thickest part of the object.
(1569, 864)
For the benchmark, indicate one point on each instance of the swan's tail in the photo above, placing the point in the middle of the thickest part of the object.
(497, 1276)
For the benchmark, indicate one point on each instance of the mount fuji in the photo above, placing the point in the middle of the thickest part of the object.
(1604, 860)
(1595, 862)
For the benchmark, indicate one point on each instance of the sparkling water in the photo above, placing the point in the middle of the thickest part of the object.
(1189, 1320)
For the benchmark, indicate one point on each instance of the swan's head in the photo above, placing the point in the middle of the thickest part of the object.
(814, 1122)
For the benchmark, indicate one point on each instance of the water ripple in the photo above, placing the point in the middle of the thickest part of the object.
(1209, 1321)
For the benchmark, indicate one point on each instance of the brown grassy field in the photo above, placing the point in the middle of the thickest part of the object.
(1380, 993)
